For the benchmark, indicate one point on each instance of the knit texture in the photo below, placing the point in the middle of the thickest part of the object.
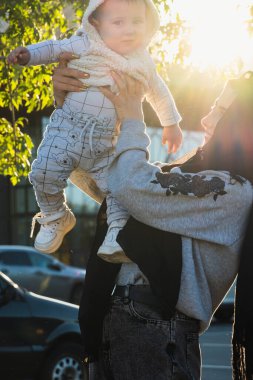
(208, 208)
(138, 64)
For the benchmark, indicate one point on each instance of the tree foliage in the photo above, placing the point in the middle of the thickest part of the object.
(22, 23)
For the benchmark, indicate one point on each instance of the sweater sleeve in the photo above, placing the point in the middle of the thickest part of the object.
(46, 52)
(144, 191)
(161, 99)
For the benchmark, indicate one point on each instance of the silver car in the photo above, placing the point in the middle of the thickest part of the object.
(40, 273)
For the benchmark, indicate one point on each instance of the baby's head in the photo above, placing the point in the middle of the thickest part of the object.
(122, 24)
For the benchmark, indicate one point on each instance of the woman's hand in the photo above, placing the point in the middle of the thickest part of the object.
(128, 100)
(66, 79)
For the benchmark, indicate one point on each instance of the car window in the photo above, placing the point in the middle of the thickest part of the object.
(19, 258)
(41, 261)
(3, 285)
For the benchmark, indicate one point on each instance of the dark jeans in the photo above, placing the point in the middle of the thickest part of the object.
(139, 345)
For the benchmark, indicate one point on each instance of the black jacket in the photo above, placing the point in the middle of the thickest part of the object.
(158, 255)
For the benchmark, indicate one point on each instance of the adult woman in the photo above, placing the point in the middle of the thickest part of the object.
(207, 210)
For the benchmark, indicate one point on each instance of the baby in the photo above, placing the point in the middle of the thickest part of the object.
(83, 133)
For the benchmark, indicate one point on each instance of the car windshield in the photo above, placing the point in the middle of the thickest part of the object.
(42, 261)
(14, 258)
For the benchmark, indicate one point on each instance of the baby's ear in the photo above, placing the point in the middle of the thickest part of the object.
(93, 21)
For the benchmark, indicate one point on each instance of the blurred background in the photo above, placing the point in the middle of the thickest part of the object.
(200, 45)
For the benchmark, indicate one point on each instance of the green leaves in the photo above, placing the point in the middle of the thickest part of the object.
(15, 149)
(24, 88)
(15, 146)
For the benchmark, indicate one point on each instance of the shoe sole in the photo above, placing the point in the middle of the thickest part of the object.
(58, 241)
(117, 257)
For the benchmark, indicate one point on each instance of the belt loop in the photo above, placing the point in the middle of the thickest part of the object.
(126, 300)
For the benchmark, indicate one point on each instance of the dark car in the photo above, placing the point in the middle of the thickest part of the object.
(39, 337)
(225, 311)
(41, 273)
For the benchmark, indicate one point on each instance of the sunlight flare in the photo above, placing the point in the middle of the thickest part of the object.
(218, 32)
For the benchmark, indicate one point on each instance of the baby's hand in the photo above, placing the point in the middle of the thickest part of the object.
(19, 56)
(172, 136)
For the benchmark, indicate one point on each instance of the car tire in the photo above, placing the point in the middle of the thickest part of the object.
(76, 294)
(65, 363)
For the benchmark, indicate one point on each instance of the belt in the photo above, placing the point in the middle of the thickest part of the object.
(143, 294)
(138, 293)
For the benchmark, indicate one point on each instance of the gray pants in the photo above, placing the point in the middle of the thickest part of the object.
(139, 345)
(74, 140)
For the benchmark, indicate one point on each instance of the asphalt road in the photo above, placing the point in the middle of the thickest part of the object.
(216, 352)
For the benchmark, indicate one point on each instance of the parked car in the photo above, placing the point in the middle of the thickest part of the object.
(225, 311)
(39, 336)
(41, 273)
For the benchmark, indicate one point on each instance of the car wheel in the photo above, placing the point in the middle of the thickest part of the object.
(65, 363)
(76, 294)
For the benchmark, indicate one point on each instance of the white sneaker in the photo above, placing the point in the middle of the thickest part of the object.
(110, 250)
(53, 229)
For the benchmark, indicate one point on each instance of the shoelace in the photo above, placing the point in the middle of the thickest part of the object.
(46, 219)
(91, 123)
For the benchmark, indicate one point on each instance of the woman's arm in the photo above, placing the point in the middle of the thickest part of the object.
(127, 107)
(145, 192)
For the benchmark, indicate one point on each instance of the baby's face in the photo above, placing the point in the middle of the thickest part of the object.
(122, 25)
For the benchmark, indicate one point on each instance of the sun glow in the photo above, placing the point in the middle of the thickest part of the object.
(218, 32)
